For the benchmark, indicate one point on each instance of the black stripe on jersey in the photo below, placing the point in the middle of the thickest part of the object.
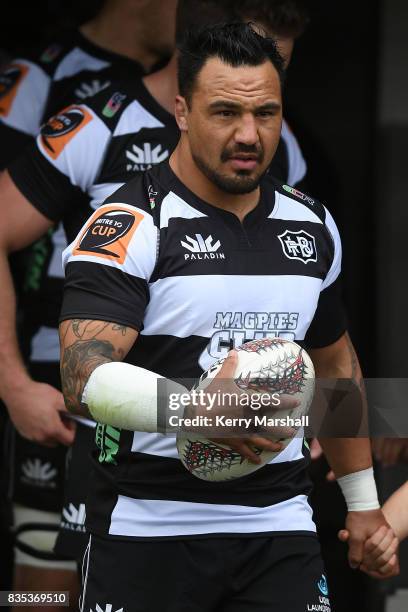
(12, 143)
(136, 152)
(243, 250)
(47, 189)
(86, 297)
(330, 321)
(145, 476)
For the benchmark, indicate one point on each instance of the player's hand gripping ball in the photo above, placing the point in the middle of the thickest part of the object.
(269, 365)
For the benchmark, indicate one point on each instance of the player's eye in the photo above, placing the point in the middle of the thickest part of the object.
(226, 113)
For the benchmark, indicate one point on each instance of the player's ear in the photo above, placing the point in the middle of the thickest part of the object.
(181, 113)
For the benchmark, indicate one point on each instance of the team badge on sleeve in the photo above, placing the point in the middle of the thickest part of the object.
(108, 233)
(61, 128)
(10, 80)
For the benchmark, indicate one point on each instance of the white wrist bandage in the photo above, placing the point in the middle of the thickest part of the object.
(124, 396)
(359, 490)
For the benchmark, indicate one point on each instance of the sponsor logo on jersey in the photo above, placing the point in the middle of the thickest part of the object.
(152, 196)
(51, 53)
(38, 474)
(146, 157)
(107, 608)
(299, 194)
(232, 329)
(298, 245)
(108, 233)
(60, 129)
(86, 90)
(201, 248)
(113, 105)
(10, 80)
(73, 518)
(107, 440)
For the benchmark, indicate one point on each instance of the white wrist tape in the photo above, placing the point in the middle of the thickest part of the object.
(359, 490)
(124, 396)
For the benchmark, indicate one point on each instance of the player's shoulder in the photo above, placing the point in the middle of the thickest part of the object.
(113, 102)
(295, 202)
(145, 191)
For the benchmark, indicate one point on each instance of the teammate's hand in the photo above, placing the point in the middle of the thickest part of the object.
(373, 546)
(236, 436)
(35, 410)
(390, 451)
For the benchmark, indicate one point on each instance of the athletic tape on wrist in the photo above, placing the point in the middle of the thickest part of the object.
(125, 396)
(359, 490)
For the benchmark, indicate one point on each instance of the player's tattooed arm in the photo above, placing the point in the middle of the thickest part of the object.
(85, 345)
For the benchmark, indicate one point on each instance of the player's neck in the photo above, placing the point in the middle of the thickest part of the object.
(120, 33)
(162, 85)
(191, 176)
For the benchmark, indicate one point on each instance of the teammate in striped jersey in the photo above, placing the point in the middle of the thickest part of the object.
(83, 155)
(142, 295)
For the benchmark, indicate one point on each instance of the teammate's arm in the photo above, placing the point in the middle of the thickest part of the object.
(350, 458)
(33, 407)
(85, 345)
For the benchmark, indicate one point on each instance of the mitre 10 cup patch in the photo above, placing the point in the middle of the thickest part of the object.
(108, 233)
(61, 128)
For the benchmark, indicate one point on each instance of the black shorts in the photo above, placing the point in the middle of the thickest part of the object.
(37, 473)
(72, 538)
(229, 574)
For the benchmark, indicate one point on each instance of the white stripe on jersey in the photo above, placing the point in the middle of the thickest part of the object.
(160, 518)
(81, 157)
(335, 268)
(173, 206)
(99, 192)
(59, 242)
(165, 446)
(182, 306)
(45, 345)
(26, 111)
(143, 243)
(296, 162)
(134, 118)
(76, 61)
(289, 210)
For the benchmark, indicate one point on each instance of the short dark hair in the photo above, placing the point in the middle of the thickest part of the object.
(282, 17)
(236, 44)
(201, 13)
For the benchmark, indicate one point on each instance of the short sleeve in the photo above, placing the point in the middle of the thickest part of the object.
(109, 264)
(62, 164)
(329, 322)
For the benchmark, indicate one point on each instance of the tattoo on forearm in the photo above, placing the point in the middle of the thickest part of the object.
(85, 354)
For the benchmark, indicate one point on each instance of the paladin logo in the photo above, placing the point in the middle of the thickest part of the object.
(38, 474)
(73, 518)
(201, 248)
(86, 90)
(107, 608)
(143, 159)
(298, 245)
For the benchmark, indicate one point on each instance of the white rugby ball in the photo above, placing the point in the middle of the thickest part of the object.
(269, 365)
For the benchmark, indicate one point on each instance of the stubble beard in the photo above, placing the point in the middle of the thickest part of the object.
(239, 184)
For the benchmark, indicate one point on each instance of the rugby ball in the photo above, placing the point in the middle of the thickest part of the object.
(269, 365)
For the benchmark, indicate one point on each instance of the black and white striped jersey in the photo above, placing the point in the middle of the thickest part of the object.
(195, 282)
(34, 88)
(82, 155)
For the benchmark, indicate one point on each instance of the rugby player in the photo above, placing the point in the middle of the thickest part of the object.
(123, 130)
(126, 38)
(248, 544)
